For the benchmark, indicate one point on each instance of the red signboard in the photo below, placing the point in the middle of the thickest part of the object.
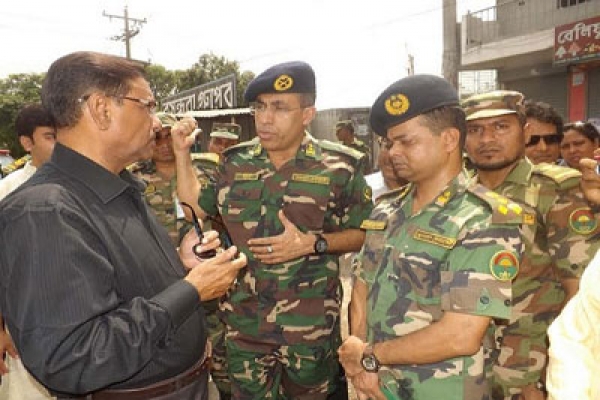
(577, 42)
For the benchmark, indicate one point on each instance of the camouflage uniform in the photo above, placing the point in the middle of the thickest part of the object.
(556, 247)
(359, 145)
(206, 165)
(458, 254)
(282, 316)
(161, 196)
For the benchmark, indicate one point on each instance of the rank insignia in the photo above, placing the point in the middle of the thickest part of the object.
(504, 266)
(582, 221)
(283, 83)
(150, 189)
(397, 104)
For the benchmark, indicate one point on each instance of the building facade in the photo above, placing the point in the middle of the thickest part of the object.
(547, 49)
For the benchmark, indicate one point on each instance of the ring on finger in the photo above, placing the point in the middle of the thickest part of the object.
(269, 249)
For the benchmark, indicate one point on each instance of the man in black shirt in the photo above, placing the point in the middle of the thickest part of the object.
(97, 299)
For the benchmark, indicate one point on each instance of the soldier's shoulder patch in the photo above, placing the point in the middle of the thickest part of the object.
(583, 221)
(394, 194)
(504, 265)
(563, 177)
(212, 158)
(504, 210)
(16, 164)
(340, 148)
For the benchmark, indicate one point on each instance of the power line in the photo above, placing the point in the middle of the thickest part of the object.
(127, 33)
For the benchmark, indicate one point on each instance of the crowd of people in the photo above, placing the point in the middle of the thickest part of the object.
(470, 245)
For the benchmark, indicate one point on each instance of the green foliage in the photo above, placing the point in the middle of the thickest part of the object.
(20, 89)
(16, 91)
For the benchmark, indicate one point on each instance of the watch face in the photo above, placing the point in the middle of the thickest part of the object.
(369, 363)
(321, 246)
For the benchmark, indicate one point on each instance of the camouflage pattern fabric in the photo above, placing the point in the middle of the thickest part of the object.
(296, 303)
(161, 196)
(457, 254)
(556, 247)
(360, 146)
(205, 165)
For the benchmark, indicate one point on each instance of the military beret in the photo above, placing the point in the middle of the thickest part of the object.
(344, 124)
(408, 98)
(492, 104)
(289, 77)
(166, 119)
(226, 131)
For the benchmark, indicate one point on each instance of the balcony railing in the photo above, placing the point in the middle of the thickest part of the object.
(515, 18)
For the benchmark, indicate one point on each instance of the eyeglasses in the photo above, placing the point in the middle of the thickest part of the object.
(203, 255)
(498, 128)
(554, 138)
(279, 109)
(149, 104)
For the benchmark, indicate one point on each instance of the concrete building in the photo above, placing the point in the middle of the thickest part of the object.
(547, 49)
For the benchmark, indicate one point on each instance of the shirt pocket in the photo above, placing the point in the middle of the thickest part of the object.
(305, 204)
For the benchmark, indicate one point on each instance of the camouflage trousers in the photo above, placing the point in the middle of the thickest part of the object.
(259, 371)
(218, 371)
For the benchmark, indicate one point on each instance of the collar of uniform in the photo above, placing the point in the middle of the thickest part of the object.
(521, 173)
(309, 148)
(98, 179)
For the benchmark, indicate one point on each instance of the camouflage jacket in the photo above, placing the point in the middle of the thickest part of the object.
(320, 190)
(161, 196)
(556, 246)
(457, 254)
(360, 146)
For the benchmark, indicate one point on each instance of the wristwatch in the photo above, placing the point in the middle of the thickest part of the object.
(320, 244)
(368, 361)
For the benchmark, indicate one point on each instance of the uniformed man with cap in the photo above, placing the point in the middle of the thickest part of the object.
(223, 136)
(555, 236)
(158, 174)
(344, 131)
(438, 258)
(293, 204)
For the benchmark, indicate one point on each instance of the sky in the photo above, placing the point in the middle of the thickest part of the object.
(356, 47)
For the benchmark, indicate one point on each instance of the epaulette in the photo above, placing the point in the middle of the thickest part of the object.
(394, 194)
(340, 148)
(504, 210)
(212, 158)
(140, 167)
(15, 165)
(564, 177)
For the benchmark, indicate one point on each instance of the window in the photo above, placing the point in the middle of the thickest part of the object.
(569, 3)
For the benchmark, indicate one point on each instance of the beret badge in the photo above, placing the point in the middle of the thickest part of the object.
(397, 104)
(283, 83)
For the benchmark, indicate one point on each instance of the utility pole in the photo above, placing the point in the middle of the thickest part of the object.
(127, 33)
(450, 57)
(410, 66)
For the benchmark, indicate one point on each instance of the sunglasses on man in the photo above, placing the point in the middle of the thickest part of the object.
(548, 139)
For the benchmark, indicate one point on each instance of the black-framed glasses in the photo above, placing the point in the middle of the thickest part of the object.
(203, 255)
(554, 138)
(149, 104)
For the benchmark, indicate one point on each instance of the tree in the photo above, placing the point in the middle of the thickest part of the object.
(162, 81)
(211, 67)
(16, 91)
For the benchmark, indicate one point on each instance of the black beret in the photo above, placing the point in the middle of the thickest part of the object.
(409, 97)
(289, 77)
